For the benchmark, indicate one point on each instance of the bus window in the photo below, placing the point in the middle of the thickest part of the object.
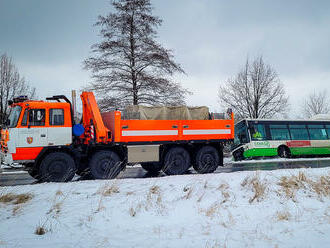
(317, 132)
(299, 132)
(327, 127)
(279, 132)
(257, 131)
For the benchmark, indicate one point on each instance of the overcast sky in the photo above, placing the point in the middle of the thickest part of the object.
(211, 39)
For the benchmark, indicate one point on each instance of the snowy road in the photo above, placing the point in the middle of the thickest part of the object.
(16, 177)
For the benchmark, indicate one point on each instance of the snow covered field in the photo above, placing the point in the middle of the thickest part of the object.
(280, 208)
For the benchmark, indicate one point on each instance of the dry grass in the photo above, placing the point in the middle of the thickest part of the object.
(214, 244)
(258, 188)
(205, 185)
(188, 191)
(283, 215)
(210, 212)
(15, 199)
(224, 192)
(58, 201)
(113, 189)
(290, 185)
(154, 189)
(321, 186)
(108, 190)
(40, 230)
(59, 193)
(16, 209)
(201, 197)
(153, 200)
(104, 191)
(132, 211)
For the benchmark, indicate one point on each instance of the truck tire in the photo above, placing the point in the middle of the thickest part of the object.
(207, 160)
(57, 167)
(152, 167)
(34, 173)
(176, 161)
(105, 165)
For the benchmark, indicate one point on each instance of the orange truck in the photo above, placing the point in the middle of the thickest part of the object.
(43, 137)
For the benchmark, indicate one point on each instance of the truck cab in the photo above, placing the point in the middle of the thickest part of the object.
(32, 126)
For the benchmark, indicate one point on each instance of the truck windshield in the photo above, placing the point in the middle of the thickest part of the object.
(241, 134)
(14, 116)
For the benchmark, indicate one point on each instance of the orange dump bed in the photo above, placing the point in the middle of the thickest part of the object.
(167, 130)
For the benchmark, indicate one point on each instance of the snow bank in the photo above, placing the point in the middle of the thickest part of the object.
(241, 209)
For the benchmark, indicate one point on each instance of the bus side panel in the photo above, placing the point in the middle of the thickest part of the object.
(260, 152)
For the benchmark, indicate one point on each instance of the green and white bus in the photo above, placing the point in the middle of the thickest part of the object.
(283, 138)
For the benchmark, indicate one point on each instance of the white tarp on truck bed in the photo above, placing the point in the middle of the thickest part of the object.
(166, 113)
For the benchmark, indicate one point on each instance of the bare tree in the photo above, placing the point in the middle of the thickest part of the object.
(316, 103)
(129, 66)
(255, 92)
(12, 84)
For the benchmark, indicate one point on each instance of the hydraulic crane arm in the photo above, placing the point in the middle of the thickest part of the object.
(92, 120)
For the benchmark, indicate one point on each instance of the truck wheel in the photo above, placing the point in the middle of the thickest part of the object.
(152, 167)
(207, 160)
(34, 173)
(82, 168)
(176, 161)
(57, 167)
(105, 165)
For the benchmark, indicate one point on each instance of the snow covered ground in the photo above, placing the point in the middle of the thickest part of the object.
(280, 208)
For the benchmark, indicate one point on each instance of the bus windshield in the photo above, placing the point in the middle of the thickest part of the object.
(241, 134)
(14, 116)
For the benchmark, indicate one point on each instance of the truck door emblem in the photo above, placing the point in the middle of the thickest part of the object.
(29, 140)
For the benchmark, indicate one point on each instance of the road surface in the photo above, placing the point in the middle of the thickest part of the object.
(10, 177)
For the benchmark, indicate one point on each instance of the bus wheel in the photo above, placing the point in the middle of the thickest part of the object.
(105, 165)
(284, 152)
(207, 160)
(238, 155)
(152, 167)
(57, 167)
(176, 161)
